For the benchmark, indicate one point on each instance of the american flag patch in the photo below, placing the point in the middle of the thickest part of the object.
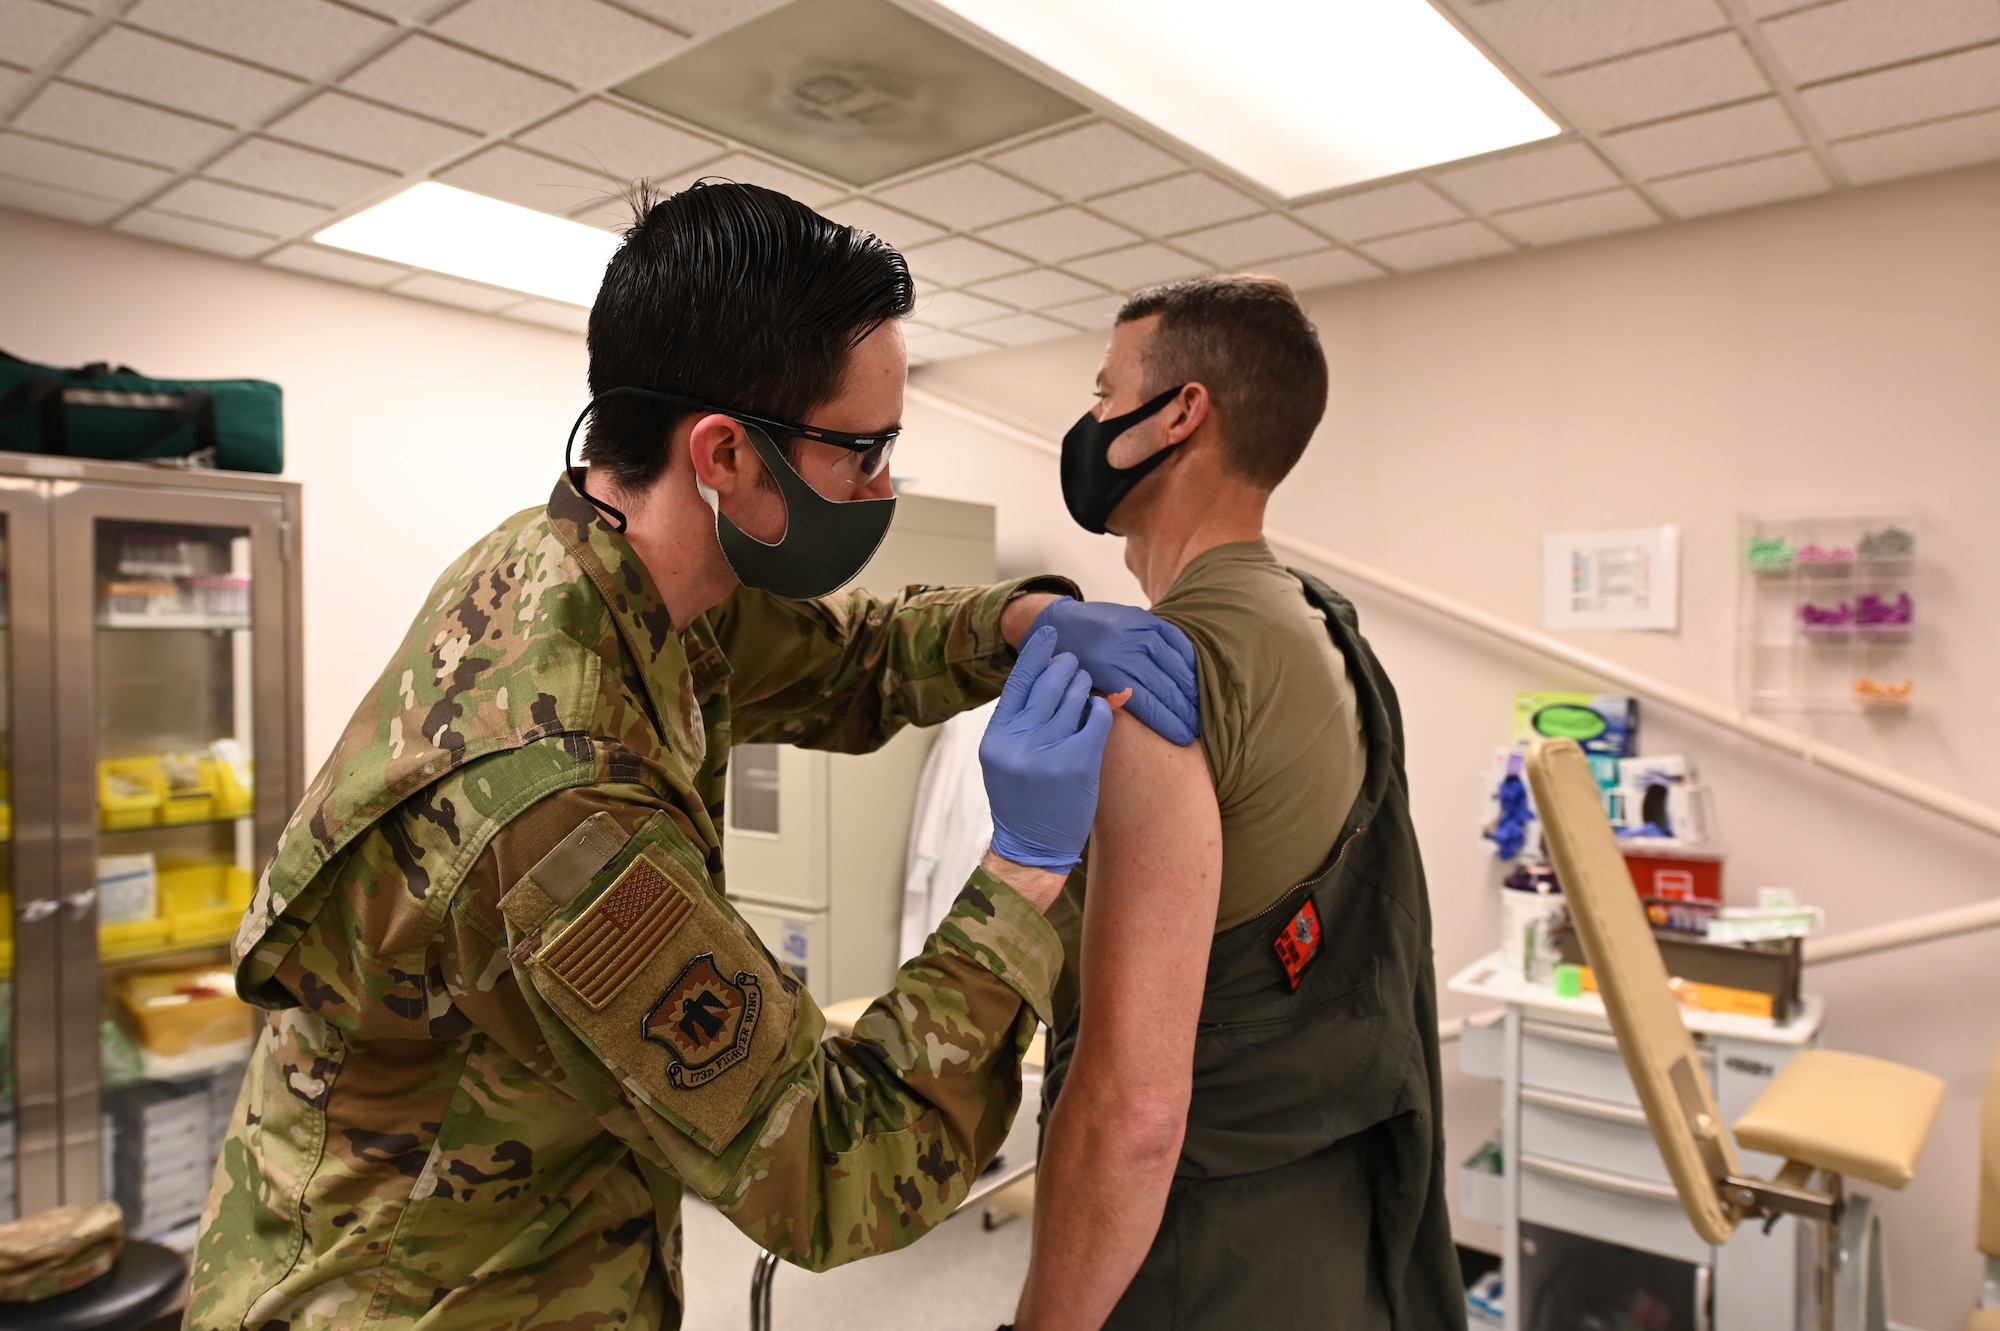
(604, 947)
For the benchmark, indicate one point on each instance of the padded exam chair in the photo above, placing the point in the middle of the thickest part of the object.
(1831, 1116)
(1987, 1316)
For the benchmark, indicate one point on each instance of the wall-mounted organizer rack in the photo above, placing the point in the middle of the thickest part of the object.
(1830, 610)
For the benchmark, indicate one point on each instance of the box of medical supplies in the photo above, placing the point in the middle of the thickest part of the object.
(179, 1011)
(1673, 870)
(1749, 979)
(1599, 723)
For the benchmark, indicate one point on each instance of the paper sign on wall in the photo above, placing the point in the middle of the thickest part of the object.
(1612, 579)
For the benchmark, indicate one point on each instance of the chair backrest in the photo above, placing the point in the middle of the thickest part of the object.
(1989, 1164)
(1605, 910)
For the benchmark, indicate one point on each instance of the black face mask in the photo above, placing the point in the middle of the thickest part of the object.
(1091, 486)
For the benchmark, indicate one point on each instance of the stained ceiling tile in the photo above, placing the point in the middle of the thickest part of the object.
(1573, 219)
(451, 291)
(52, 201)
(1018, 330)
(1933, 147)
(1743, 185)
(1326, 268)
(1180, 203)
(1038, 289)
(954, 309)
(168, 74)
(310, 38)
(1251, 240)
(424, 75)
(1707, 138)
(938, 345)
(1093, 312)
(1409, 206)
(1529, 177)
(552, 314)
(301, 173)
(247, 210)
(622, 143)
(194, 235)
(1138, 266)
(1060, 234)
(1545, 35)
(1093, 159)
(93, 120)
(1928, 90)
(1451, 243)
(966, 197)
(748, 170)
(531, 180)
(338, 265)
(1692, 76)
(583, 42)
(76, 169)
(1852, 35)
(960, 260)
(31, 32)
(354, 128)
(898, 228)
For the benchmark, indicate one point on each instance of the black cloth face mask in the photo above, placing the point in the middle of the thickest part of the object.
(1091, 486)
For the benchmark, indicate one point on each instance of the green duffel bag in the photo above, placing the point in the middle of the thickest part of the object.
(96, 411)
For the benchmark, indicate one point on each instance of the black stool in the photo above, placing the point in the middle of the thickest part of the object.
(137, 1289)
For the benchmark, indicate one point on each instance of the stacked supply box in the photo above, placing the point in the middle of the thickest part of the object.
(161, 1153)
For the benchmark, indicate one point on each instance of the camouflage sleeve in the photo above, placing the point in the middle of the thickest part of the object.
(665, 1016)
(847, 672)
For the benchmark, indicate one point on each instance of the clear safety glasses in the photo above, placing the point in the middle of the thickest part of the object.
(867, 454)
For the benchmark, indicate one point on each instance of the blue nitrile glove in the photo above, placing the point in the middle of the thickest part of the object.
(1041, 755)
(1124, 647)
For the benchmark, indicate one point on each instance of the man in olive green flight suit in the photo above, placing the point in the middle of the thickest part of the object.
(511, 1014)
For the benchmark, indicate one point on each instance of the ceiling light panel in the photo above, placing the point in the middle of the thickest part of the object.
(1300, 98)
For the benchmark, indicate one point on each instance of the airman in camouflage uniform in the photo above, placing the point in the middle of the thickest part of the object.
(511, 1014)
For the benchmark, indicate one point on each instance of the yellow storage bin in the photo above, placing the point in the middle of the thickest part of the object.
(130, 938)
(204, 926)
(188, 788)
(6, 821)
(181, 1011)
(233, 799)
(130, 792)
(239, 886)
(6, 957)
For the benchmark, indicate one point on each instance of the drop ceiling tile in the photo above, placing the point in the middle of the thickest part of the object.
(1574, 219)
(353, 128)
(1060, 234)
(1707, 138)
(301, 173)
(451, 291)
(1018, 330)
(1409, 206)
(1928, 90)
(966, 197)
(424, 75)
(31, 32)
(1692, 76)
(748, 170)
(608, 215)
(1452, 243)
(310, 38)
(1137, 266)
(1096, 312)
(551, 314)
(1180, 203)
(1038, 289)
(246, 210)
(76, 169)
(1742, 185)
(531, 180)
(954, 309)
(168, 74)
(1767, 8)
(583, 42)
(1852, 35)
(1523, 178)
(1547, 35)
(1327, 268)
(898, 228)
(52, 201)
(1934, 147)
(1251, 240)
(92, 120)
(960, 261)
(316, 261)
(13, 82)
(622, 143)
(1093, 159)
(194, 235)
(409, 9)
(702, 17)
(934, 346)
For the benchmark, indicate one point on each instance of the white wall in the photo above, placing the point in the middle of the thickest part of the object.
(1839, 352)
(412, 427)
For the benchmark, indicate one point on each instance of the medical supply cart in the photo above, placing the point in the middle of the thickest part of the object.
(150, 752)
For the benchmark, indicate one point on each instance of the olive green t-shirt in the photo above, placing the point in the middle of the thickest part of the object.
(1278, 720)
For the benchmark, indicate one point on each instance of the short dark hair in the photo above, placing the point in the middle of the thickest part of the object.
(1247, 340)
(738, 296)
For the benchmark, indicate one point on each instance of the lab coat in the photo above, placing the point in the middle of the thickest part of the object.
(950, 830)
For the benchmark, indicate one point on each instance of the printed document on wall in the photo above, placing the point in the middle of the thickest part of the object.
(1612, 579)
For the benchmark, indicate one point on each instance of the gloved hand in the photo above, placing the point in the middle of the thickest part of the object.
(1041, 755)
(1125, 647)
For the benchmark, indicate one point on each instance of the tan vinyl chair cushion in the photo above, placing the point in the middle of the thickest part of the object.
(841, 1016)
(1989, 1166)
(1983, 1319)
(1847, 1113)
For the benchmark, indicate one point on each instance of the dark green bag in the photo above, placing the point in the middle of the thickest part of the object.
(96, 411)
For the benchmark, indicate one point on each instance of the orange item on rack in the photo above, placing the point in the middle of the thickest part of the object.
(177, 1011)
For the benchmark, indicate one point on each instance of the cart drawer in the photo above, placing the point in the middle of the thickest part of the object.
(1613, 1138)
(1573, 1060)
(1632, 1213)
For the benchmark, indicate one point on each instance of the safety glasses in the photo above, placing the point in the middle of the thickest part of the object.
(868, 454)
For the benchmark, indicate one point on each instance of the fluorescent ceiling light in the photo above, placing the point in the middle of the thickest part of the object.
(1299, 95)
(468, 235)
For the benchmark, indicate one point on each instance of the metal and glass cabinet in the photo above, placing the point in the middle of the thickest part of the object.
(150, 751)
